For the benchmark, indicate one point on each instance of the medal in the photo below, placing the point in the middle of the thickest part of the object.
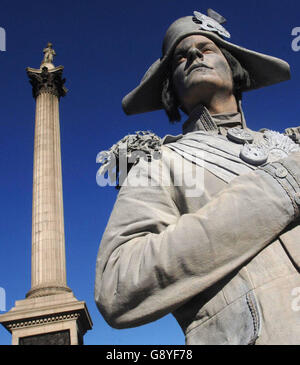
(239, 135)
(273, 147)
(254, 154)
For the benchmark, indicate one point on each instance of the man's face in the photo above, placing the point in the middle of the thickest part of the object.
(200, 71)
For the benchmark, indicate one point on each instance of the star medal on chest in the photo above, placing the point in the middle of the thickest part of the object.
(272, 147)
(239, 135)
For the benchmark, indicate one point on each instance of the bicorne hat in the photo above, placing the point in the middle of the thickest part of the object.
(264, 70)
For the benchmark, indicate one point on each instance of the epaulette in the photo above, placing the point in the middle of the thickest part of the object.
(294, 134)
(118, 160)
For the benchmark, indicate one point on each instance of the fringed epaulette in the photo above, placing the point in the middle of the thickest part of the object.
(294, 134)
(118, 160)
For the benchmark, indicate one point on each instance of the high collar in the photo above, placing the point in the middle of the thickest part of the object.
(200, 119)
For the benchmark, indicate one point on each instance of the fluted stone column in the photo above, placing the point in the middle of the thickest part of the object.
(50, 314)
(48, 269)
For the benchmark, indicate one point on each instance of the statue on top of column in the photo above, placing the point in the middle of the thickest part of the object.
(49, 54)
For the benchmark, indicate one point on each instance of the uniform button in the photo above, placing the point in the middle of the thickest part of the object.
(297, 198)
(281, 172)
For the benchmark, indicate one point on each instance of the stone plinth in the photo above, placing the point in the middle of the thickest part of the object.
(48, 320)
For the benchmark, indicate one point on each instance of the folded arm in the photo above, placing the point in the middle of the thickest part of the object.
(152, 259)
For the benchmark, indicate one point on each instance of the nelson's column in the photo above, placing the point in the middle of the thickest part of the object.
(50, 314)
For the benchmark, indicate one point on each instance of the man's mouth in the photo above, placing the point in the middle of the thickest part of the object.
(198, 66)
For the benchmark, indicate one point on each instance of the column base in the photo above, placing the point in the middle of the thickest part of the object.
(47, 290)
(49, 320)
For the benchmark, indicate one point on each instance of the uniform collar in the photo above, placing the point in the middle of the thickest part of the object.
(201, 120)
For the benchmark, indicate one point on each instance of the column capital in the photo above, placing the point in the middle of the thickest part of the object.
(46, 80)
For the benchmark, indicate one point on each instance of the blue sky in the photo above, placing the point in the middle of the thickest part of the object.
(105, 48)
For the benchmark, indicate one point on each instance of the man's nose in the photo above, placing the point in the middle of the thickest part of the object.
(194, 53)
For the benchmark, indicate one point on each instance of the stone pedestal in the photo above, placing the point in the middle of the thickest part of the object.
(50, 314)
(49, 320)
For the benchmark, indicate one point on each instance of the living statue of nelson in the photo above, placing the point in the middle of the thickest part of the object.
(223, 257)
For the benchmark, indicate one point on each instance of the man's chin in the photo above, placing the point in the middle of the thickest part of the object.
(202, 89)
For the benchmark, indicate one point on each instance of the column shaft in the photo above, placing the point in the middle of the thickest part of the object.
(48, 269)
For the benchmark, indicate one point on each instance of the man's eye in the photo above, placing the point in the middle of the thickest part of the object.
(179, 57)
(207, 50)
